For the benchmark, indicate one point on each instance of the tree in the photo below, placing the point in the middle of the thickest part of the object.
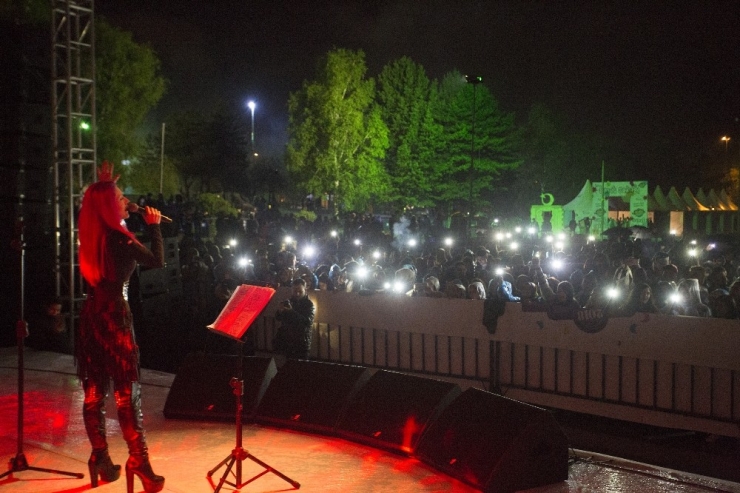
(336, 136)
(146, 173)
(128, 84)
(494, 146)
(406, 97)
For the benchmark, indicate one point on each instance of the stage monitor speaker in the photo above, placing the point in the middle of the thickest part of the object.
(392, 410)
(310, 395)
(496, 444)
(202, 390)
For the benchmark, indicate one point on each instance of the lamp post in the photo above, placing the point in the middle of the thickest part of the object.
(251, 106)
(475, 80)
(726, 140)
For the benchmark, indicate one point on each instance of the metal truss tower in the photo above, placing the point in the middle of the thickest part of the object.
(73, 134)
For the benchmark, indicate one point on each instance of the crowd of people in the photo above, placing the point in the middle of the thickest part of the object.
(419, 256)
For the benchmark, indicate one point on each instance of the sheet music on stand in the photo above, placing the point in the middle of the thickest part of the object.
(244, 306)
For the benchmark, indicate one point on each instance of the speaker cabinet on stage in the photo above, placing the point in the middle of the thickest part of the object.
(496, 444)
(309, 395)
(202, 391)
(393, 409)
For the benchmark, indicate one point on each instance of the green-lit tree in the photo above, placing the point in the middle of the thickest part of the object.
(336, 136)
(149, 171)
(127, 84)
(494, 146)
(406, 97)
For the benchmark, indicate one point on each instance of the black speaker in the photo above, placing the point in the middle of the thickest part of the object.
(309, 395)
(392, 410)
(202, 389)
(496, 444)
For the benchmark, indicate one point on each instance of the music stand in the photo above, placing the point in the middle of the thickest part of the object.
(242, 309)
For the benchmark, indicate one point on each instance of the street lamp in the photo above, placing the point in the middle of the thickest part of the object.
(251, 106)
(726, 140)
(475, 80)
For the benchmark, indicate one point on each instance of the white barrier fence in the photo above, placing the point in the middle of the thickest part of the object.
(675, 372)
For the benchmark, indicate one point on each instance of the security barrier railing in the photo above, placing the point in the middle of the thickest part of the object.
(670, 371)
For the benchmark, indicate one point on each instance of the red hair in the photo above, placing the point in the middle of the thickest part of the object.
(99, 214)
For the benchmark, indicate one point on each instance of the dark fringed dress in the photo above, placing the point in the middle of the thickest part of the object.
(105, 346)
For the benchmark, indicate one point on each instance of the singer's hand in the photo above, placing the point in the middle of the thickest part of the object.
(152, 215)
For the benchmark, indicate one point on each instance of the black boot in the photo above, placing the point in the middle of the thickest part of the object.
(128, 402)
(100, 464)
(93, 414)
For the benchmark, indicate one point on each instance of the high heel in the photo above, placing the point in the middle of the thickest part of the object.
(101, 465)
(140, 466)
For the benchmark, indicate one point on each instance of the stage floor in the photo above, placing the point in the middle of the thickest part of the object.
(184, 451)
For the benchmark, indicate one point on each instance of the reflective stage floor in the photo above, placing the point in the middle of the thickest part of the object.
(184, 451)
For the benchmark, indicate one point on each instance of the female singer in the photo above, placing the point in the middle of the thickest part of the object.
(105, 347)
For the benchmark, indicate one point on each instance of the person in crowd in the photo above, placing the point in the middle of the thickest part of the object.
(106, 348)
(454, 289)
(722, 305)
(564, 306)
(689, 303)
(501, 289)
(639, 300)
(48, 329)
(431, 287)
(296, 314)
(476, 291)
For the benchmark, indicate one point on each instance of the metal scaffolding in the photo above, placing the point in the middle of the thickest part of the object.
(73, 134)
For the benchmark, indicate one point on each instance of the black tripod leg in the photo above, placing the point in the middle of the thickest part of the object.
(277, 473)
(19, 463)
(226, 473)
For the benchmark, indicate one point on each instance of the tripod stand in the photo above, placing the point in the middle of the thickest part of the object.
(238, 455)
(19, 462)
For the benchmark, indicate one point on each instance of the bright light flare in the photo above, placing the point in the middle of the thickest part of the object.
(357, 242)
(557, 264)
(288, 239)
(377, 254)
(243, 262)
(233, 242)
(612, 293)
(309, 251)
(334, 233)
(411, 243)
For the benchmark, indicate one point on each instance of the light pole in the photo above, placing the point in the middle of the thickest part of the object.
(726, 140)
(475, 81)
(251, 106)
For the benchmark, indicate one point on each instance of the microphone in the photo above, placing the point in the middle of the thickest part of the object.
(132, 207)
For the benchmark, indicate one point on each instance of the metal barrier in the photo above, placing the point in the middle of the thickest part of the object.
(676, 372)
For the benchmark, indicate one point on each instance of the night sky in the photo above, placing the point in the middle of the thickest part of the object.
(663, 81)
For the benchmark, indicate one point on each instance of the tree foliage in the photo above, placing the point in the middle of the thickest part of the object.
(406, 97)
(479, 140)
(128, 84)
(336, 136)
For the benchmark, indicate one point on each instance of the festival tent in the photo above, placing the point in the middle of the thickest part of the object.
(716, 202)
(727, 200)
(692, 202)
(677, 201)
(662, 201)
(582, 202)
(702, 197)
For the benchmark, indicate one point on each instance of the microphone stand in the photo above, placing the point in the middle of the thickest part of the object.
(19, 462)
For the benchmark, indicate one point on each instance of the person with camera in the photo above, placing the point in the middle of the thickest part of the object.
(293, 337)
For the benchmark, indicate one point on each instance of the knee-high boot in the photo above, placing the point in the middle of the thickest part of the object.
(128, 403)
(93, 414)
